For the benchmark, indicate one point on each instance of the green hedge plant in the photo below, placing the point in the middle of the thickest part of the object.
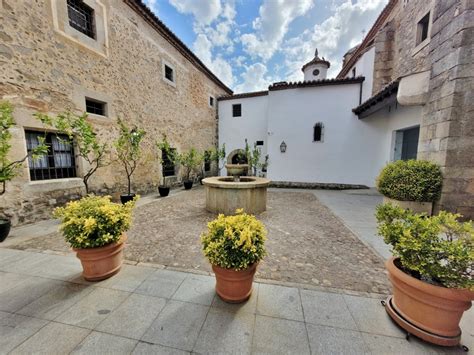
(411, 180)
(94, 221)
(234, 242)
(437, 249)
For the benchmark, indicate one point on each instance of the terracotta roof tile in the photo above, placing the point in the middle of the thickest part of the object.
(283, 85)
(243, 95)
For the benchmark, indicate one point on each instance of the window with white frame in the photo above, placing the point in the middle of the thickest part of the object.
(81, 17)
(169, 73)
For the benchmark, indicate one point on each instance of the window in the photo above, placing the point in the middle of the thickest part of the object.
(169, 73)
(168, 165)
(422, 29)
(207, 161)
(237, 110)
(259, 143)
(316, 72)
(81, 17)
(211, 101)
(318, 132)
(58, 163)
(96, 107)
(353, 72)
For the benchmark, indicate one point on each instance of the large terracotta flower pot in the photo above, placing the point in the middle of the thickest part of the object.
(234, 286)
(429, 312)
(103, 262)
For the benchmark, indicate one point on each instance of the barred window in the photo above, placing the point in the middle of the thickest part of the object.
(96, 107)
(168, 165)
(318, 132)
(58, 163)
(237, 110)
(81, 17)
(207, 160)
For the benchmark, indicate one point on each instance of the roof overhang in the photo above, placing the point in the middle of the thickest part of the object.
(384, 98)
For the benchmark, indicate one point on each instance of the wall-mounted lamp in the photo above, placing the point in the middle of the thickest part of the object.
(283, 147)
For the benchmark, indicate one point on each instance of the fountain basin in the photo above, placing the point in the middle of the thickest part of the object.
(223, 195)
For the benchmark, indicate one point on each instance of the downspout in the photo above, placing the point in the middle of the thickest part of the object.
(360, 92)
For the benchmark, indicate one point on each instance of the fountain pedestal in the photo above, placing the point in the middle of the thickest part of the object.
(224, 195)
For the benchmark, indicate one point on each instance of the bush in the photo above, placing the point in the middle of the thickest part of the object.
(234, 242)
(411, 180)
(94, 221)
(438, 249)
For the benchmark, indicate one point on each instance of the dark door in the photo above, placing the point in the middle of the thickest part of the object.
(410, 143)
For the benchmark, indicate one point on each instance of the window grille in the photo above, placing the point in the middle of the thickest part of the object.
(81, 17)
(237, 110)
(169, 73)
(95, 107)
(58, 163)
(318, 132)
(168, 165)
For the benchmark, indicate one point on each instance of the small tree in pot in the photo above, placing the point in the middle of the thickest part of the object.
(95, 228)
(9, 169)
(190, 161)
(411, 184)
(432, 273)
(217, 155)
(168, 156)
(234, 245)
(129, 152)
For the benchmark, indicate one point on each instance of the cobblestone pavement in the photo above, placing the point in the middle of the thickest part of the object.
(306, 244)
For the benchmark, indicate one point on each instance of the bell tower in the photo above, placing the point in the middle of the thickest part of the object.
(316, 69)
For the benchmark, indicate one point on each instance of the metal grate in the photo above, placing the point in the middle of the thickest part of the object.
(168, 165)
(237, 110)
(58, 163)
(95, 107)
(81, 17)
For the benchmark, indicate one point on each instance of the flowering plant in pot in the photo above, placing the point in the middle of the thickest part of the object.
(168, 157)
(129, 152)
(411, 184)
(234, 245)
(9, 169)
(432, 272)
(95, 228)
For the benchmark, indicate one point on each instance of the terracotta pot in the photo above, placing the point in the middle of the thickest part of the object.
(102, 262)
(234, 286)
(430, 312)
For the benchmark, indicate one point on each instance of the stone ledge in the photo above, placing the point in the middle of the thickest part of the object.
(53, 185)
(316, 185)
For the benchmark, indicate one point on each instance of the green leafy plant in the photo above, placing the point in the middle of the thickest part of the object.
(411, 180)
(234, 242)
(438, 249)
(94, 221)
(129, 150)
(218, 156)
(88, 147)
(9, 169)
(190, 161)
(166, 150)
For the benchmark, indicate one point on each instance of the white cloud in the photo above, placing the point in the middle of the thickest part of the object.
(254, 79)
(204, 11)
(271, 26)
(333, 37)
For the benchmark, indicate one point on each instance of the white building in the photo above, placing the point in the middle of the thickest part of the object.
(310, 131)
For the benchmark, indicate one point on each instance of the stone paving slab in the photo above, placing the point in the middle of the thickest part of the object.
(306, 244)
(108, 320)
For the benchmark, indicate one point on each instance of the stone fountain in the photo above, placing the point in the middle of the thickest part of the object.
(225, 194)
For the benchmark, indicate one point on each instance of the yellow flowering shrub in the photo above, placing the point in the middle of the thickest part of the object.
(94, 221)
(234, 242)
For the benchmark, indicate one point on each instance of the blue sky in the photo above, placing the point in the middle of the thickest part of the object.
(250, 44)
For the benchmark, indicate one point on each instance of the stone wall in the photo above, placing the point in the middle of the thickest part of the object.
(48, 71)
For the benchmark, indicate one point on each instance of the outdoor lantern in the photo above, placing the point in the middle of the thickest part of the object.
(283, 147)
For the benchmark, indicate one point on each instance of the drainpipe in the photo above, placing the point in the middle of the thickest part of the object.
(360, 93)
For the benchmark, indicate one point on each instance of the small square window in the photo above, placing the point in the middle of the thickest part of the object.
(81, 17)
(259, 143)
(422, 29)
(237, 110)
(169, 73)
(96, 107)
(211, 101)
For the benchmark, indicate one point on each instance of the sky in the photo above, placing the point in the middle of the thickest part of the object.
(250, 44)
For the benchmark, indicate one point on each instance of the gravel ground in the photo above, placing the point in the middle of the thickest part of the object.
(306, 243)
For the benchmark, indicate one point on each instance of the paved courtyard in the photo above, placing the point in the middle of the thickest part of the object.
(46, 308)
(307, 243)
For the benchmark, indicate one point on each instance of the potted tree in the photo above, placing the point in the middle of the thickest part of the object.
(190, 161)
(217, 155)
(234, 245)
(411, 184)
(431, 271)
(171, 158)
(129, 152)
(11, 168)
(95, 228)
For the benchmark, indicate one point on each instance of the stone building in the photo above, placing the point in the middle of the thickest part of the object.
(111, 58)
(405, 92)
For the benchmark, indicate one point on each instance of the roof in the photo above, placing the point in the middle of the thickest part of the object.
(383, 94)
(243, 95)
(316, 60)
(368, 38)
(167, 34)
(283, 85)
